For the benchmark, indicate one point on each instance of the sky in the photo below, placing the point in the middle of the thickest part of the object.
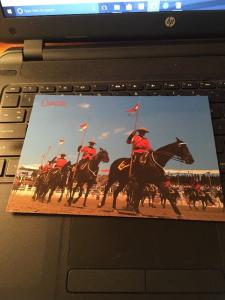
(109, 124)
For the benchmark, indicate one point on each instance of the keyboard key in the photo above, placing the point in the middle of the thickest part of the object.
(217, 110)
(153, 93)
(64, 88)
(171, 85)
(104, 94)
(222, 167)
(13, 89)
(47, 89)
(12, 115)
(219, 126)
(28, 113)
(12, 131)
(207, 85)
(220, 144)
(27, 100)
(121, 93)
(10, 100)
(2, 163)
(189, 85)
(153, 86)
(221, 84)
(30, 89)
(11, 166)
(100, 87)
(202, 92)
(218, 97)
(188, 92)
(140, 93)
(118, 87)
(82, 88)
(135, 86)
(10, 147)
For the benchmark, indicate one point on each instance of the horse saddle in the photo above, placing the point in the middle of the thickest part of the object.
(83, 165)
(123, 165)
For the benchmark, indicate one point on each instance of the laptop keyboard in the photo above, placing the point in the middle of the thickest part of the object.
(17, 100)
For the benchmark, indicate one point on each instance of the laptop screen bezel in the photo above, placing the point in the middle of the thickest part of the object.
(106, 27)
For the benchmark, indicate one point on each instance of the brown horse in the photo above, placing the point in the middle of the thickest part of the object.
(86, 174)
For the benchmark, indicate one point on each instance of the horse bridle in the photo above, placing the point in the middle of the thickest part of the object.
(174, 157)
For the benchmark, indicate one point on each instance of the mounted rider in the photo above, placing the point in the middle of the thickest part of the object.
(60, 162)
(88, 151)
(46, 167)
(141, 145)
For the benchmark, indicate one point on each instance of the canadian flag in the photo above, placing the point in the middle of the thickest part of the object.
(83, 126)
(134, 108)
(61, 142)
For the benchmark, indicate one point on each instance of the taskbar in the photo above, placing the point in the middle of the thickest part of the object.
(81, 8)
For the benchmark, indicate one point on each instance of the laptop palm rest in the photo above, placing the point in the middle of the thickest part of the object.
(118, 255)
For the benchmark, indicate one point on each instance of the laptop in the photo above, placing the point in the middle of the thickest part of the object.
(122, 48)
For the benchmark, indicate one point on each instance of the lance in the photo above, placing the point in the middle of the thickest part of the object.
(45, 155)
(134, 109)
(60, 146)
(83, 127)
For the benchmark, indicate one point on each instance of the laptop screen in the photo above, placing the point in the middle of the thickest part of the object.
(24, 8)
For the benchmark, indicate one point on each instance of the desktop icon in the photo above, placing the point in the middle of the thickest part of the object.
(19, 11)
(141, 6)
(178, 5)
(129, 6)
(116, 6)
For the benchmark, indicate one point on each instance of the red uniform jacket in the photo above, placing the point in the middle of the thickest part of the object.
(197, 187)
(60, 162)
(45, 168)
(167, 183)
(141, 144)
(88, 152)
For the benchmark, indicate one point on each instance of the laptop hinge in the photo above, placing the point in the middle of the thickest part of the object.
(33, 50)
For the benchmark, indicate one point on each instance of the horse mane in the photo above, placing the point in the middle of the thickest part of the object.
(163, 148)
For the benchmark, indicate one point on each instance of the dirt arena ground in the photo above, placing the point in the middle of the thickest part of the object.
(21, 201)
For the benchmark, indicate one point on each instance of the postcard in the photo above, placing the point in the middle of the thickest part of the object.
(145, 157)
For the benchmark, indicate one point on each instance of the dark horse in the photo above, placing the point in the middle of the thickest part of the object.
(56, 178)
(174, 194)
(149, 172)
(219, 194)
(86, 173)
(41, 184)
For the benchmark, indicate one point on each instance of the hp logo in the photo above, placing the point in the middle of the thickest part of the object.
(170, 22)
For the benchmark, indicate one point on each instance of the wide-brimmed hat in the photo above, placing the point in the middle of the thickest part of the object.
(143, 129)
(92, 142)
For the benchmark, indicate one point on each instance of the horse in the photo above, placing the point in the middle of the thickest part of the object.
(86, 173)
(151, 171)
(174, 194)
(150, 193)
(41, 184)
(195, 196)
(57, 178)
(219, 194)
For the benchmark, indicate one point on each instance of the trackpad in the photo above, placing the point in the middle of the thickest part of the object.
(135, 244)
